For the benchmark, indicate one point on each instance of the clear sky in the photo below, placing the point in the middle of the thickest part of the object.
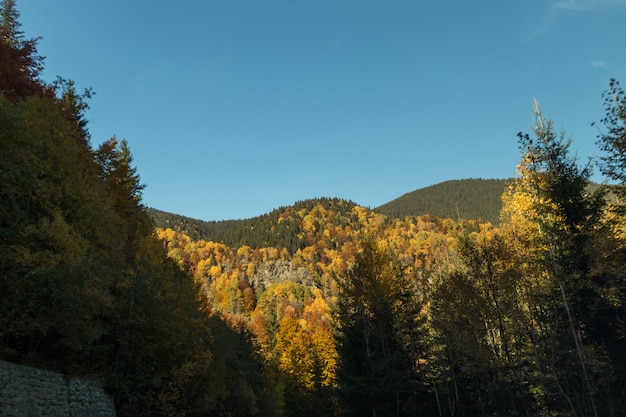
(234, 108)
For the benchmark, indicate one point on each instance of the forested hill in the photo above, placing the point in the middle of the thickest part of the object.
(471, 199)
(474, 198)
(277, 228)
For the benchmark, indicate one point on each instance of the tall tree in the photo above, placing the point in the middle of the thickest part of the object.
(609, 301)
(481, 328)
(377, 374)
(10, 32)
(565, 217)
(52, 254)
(20, 64)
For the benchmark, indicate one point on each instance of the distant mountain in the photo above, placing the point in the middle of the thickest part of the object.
(470, 199)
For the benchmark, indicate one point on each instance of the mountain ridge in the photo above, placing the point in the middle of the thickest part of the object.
(470, 199)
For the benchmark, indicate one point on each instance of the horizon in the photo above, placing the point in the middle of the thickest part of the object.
(233, 110)
(333, 197)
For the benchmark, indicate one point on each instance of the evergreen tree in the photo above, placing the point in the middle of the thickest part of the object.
(563, 218)
(10, 32)
(50, 249)
(20, 64)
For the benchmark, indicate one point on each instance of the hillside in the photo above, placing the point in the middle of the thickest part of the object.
(470, 199)
(261, 231)
(474, 198)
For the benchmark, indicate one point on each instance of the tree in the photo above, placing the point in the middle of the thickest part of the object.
(116, 160)
(613, 140)
(609, 300)
(85, 284)
(377, 374)
(562, 218)
(10, 32)
(51, 254)
(20, 65)
(73, 105)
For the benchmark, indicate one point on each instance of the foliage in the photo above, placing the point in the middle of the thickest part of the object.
(262, 231)
(479, 323)
(477, 199)
(557, 221)
(613, 140)
(20, 64)
(85, 285)
(287, 300)
(324, 308)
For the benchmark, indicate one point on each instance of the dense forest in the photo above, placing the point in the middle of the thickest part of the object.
(477, 199)
(261, 231)
(324, 308)
(473, 198)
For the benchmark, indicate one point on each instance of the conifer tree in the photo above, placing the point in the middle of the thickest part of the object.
(562, 218)
(20, 64)
(10, 32)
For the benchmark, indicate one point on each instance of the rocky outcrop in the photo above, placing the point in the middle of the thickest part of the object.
(275, 272)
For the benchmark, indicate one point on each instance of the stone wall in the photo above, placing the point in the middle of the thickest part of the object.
(31, 392)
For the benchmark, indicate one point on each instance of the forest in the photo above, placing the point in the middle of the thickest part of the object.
(323, 308)
(478, 199)
(473, 198)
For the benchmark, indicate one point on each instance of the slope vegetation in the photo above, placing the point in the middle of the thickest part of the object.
(473, 198)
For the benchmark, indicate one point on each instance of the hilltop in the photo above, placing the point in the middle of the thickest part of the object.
(475, 199)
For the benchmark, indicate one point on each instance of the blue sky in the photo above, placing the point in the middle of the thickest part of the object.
(234, 108)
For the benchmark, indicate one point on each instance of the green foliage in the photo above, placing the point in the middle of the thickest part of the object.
(477, 324)
(477, 199)
(49, 248)
(565, 219)
(10, 32)
(480, 333)
(20, 65)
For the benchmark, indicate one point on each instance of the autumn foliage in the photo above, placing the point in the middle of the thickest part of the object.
(324, 308)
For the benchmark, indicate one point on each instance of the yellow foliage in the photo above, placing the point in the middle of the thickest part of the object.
(294, 351)
(244, 251)
(215, 270)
